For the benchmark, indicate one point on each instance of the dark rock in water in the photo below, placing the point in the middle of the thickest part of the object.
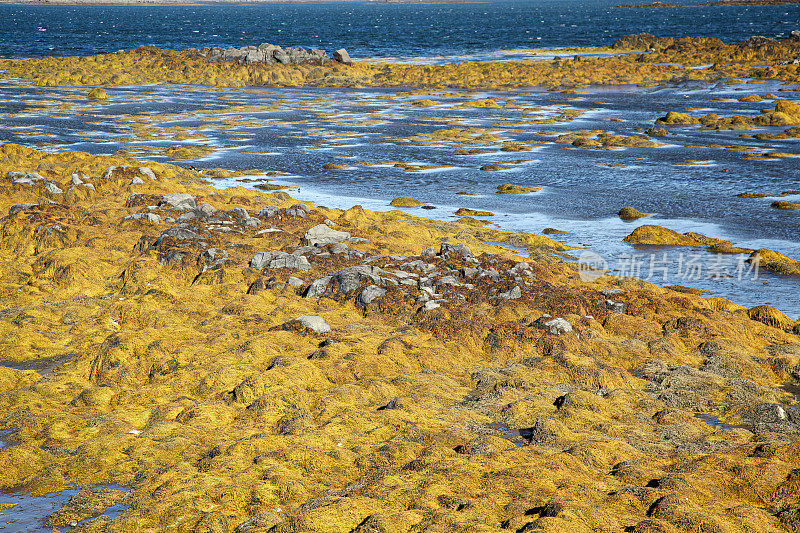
(342, 56)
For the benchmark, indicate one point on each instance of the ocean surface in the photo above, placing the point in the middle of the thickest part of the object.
(690, 183)
(454, 31)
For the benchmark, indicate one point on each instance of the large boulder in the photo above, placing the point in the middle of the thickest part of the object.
(345, 281)
(178, 200)
(321, 234)
(278, 259)
(342, 56)
(370, 294)
(458, 251)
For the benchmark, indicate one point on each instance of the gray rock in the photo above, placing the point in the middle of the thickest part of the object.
(52, 188)
(431, 305)
(339, 248)
(14, 209)
(428, 252)
(315, 323)
(269, 211)
(350, 278)
(447, 280)
(558, 326)
(147, 172)
(458, 251)
(13, 174)
(281, 56)
(178, 200)
(342, 56)
(278, 259)
(513, 294)
(370, 294)
(469, 272)
(204, 210)
(75, 180)
(252, 222)
(147, 218)
(319, 287)
(320, 235)
(295, 282)
(211, 259)
(18, 178)
(292, 262)
(419, 265)
(238, 212)
(136, 180)
(179, 233)
(186, 217)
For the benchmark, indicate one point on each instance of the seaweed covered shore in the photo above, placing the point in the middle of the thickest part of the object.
(233, 359)
(218, 360)
(638, 59)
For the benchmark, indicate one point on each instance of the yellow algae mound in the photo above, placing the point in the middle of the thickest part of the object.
(631, 213)
(98, 93)
(770, 316)
(406, 201)
(269, 365)
(464, 211)
(781, 204)
(657, 235)
(676, 118)
(775, 262)
(510, 188)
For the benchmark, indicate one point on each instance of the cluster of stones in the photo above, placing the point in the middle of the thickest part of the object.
(271, 54)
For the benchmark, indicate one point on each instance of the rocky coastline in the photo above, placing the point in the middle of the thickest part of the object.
(212, 360)
(660, 60)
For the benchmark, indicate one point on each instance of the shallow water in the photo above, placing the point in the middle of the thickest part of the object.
(713, 421)
(298, 131)
(29, 512)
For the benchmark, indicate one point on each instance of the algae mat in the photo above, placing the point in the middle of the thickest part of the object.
(367, 372)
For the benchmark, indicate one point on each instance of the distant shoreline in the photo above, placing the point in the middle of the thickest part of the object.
(212, 2)
(717, 3)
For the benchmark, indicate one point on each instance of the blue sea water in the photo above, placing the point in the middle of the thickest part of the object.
(372, 30)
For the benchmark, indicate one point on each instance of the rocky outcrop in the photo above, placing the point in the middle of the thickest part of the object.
(271, 54)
